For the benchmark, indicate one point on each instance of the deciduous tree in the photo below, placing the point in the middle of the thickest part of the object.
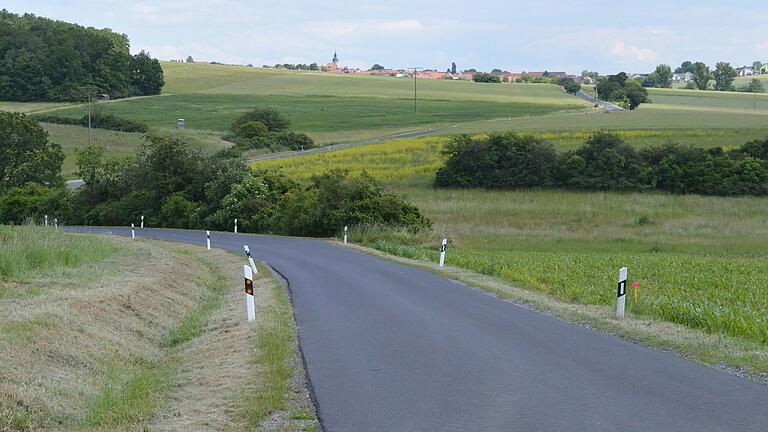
(701, 75)
(724, 75)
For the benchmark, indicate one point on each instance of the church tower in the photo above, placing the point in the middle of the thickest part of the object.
(335, 58)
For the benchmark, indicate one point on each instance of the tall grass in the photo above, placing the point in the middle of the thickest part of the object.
(276, 343)
(130, 394)
(28, 252)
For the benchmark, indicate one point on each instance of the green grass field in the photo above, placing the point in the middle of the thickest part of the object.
(330, 107)
(742, 81)
(31, 107)
(317, 113)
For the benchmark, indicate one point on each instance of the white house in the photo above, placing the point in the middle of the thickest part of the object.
(684, 77)
(745, 71)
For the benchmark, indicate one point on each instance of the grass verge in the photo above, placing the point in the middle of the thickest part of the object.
(276, 341)
(157, 341)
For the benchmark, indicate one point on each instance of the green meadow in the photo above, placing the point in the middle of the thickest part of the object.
(317, 113)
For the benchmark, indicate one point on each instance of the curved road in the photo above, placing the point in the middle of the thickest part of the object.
(393, 348)
(610, 107)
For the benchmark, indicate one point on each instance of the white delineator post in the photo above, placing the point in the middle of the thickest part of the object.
(56, 222)
(142, 222)
(345, 234)
(249, 304)
(133, 231)
(621, 293)
(250, 258)
(442, 251)
(235, 226)
(208, 239)
(46, 220)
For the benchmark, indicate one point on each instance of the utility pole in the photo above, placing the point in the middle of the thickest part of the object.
(89, 119)
(90, 91)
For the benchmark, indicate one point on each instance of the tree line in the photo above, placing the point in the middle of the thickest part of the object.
(175, 186)
(47, 60)
(702, 77)
(603, 163)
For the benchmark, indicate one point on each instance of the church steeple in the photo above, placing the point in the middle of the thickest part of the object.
(335, 58)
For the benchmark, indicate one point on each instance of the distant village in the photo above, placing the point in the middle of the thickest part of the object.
(586, 77)
(449, 74)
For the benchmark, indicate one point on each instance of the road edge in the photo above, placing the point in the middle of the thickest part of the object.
(286, 284)
(721, 352)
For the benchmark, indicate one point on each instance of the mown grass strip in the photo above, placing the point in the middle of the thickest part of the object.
(132, 391)
(193, 325)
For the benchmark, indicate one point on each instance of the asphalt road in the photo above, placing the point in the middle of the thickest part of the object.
(603, 104)
(392, 348)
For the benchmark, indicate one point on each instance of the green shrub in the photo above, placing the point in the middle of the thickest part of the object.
(569, 85)
(505, 160)
(251, 129)
(98, 121)
(483, 77)
(34, 201)
(272, 119)
(608, 164)
(335, 199)
(293, 140)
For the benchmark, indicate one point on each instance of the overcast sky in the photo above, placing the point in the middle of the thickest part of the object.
(555, 35)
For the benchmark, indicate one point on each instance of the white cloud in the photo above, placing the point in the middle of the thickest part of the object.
(642, 55)
(365, 28)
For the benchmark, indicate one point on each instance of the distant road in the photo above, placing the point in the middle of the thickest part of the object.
(603, 104)
(74, 184)
(391, 348)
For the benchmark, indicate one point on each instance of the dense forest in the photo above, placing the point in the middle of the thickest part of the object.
(46, 60)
